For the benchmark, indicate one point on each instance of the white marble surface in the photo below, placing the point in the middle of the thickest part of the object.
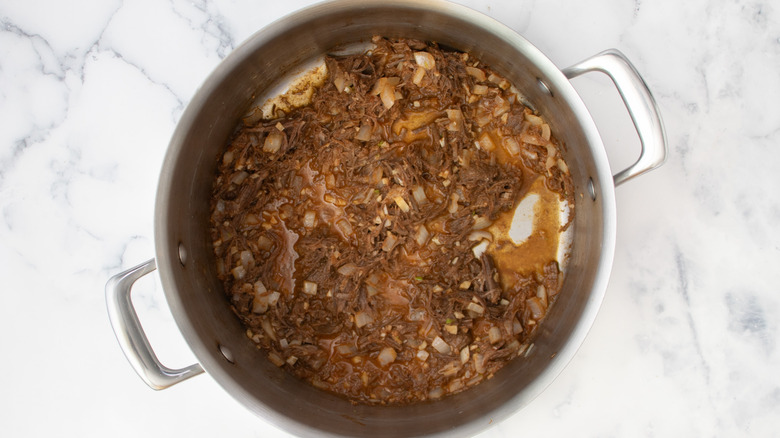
(686, 343)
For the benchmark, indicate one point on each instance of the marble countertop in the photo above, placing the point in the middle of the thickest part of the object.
(685, 344)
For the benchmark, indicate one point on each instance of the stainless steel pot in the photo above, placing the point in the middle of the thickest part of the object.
(186, 262)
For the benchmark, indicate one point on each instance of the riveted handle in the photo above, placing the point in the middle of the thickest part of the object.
(639, 103)
(131, 336)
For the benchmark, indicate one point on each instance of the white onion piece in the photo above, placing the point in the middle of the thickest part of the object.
(310, 288)
(347, 269)
(424, 60)
(239, 178)
(436, 393)
(362, 319)
(247, 259)
(535, 306)
(309, 219)
(479, 89)
(388, 96)
(402, 204)
(465, 354)
(546, 131)
(346, 350)
(422, 355)
(389, 242)
(419, 74)
(259, 288)
(485, 142)
(479, 363)
(345, 227)
(273, 142)
(268, 328)
(275, 359)
(476, 308)
(227, 158)
(453, 207)
(364, 134)
(440, 346)
(456, 119)
(371, 290)
(477, 73)
(386, 356)
(511, 145)
(450, 369)
(534, 120)
(419, 195)
(238, 272)
(494, 334)
(422, 235)
(481, 222)
(476, 236)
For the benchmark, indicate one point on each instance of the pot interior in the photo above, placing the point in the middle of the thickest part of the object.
(286, 48)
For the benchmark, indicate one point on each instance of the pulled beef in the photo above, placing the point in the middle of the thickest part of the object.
(347, 227)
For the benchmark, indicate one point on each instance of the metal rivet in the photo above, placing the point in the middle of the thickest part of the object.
(182, 254)
(226, 353)
(591, 189)
(543, 86)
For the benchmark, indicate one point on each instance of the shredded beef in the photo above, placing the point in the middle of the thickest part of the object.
(347, 226)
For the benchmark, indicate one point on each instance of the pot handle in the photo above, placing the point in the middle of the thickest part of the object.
(639, 103)
(130, 334)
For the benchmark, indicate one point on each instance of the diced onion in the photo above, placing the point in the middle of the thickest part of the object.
(309, 219)
(476, 308)
(402, 204)
(419, 195)
(494, 334)
(239, 177)
(424, 60)
(273, 142)
(386, 356)
(511, 145)
(535, 306)
(450, 369)
(247, 259)
(389, 242)
(476, 236)
(275, 359)
(265, 323)
(453, 207)
(456, 119)
(362, 319)
(479, 89)
(451, 329)
(259, 288)
(534, 120)
(440, 346)
(347, 269)
(480, 223)
(546, 131)
(310, 288)
(346, 350)
(344, 227)
(477, 73)
(422, 355)
(419, 74)
(422, 235)
(465, 355)
(436, 393)
(227, 158)
(238, 272)
(479, 363)
(364, 134)
(485, 142)
(388, 96)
